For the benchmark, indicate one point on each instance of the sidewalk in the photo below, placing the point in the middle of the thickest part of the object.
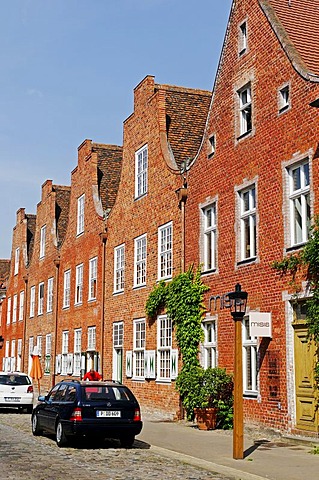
(266, 456)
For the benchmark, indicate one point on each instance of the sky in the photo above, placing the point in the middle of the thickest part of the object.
(67, 73)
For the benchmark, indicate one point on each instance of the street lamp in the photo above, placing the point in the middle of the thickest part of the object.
(1, 341)
(238, 301)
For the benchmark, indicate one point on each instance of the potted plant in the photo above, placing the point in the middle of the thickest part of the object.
(207, 395)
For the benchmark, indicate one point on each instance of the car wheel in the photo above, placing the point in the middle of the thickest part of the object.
(36, 430)
(61, 438)
(127, 441)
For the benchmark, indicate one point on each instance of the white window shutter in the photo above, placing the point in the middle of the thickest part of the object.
(146, 364)
(58, 361)
(151, 364)
(174, 364)
(69, 368)
(129, 361)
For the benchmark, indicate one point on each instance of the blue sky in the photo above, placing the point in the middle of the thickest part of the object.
(68, 70)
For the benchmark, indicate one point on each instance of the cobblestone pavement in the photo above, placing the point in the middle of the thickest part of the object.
(25, 457)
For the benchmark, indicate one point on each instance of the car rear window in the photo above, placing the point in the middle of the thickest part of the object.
(14, 380)
(97, 394)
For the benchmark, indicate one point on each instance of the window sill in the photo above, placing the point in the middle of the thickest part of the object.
(283, 109)
(118, 292)
(90, 300)
(208, 272)
(244, 135)
(251, 395)
(247, 261)
(136, 287)
(163, 381)
(295, 247)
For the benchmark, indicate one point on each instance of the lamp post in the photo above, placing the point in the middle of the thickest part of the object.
(1, 341)
(238, 301)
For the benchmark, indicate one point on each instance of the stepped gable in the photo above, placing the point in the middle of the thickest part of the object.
(31, 227)
(296, 23)
(186, 114)
(109, 163)
(62, 207)
(4, 271)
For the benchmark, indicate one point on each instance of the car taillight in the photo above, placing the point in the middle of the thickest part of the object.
(30, 389)
(137, 415)
(76, 415)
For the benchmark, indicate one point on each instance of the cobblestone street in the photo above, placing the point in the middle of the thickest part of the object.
(26, 457)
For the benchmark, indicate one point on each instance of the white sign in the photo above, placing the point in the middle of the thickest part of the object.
(260, 324)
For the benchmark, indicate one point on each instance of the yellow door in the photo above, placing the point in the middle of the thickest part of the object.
(305, 360)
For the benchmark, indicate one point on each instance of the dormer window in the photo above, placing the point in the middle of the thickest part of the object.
(211, 146)
(242, 43)
(284, 99)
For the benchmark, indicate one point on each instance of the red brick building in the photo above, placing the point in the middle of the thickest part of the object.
(145, 237)
(251, 198)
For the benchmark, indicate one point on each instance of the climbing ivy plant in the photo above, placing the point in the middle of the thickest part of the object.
(183, 300)
(306, 262)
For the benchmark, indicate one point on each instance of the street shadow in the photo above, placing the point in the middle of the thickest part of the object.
(257, 444)
(98, 444)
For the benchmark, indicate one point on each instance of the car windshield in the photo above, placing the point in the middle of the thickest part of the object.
(100, 393)
(14, 380)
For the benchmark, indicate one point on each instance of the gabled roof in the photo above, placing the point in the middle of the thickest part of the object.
(296, 23)
(109, 163)
(4, 270)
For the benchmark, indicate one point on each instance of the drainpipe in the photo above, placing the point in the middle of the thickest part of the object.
(24, 325)
(56, 316)
(103, 237)
(182, 197)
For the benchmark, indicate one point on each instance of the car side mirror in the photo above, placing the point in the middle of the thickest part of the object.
(41, 398)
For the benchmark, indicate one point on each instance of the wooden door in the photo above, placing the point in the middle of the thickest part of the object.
(306, 394)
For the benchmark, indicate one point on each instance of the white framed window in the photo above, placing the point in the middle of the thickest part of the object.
(165, 251)
(14, 308)
(141, 165)
(50, 295)
(164, 347)
(248, 231)
(284, 98)
(21, 305)
(42, 240)
(250, 360)
(65, 351)
(48, 350)
(40, 298)
(66, 289)
(209, 345)
(31, 345)
(245, 110)
(77, 352)
(9, 310)
(32, 301)
(93, 278)
(39, 344)
(78, 284)
(211, 146)
(80, 215)
(91, 338)
(140, 246)
(19, 354)
(119, 268)
(299, 203)
(209, 236)
(118, 334)
(13, 356)
(48, 344)
(242, 40)
(139, 331)
(16, 260)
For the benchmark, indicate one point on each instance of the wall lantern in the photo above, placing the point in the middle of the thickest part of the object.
(238, 301)
(1, 341)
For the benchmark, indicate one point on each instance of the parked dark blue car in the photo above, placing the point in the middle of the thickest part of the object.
(74, 409)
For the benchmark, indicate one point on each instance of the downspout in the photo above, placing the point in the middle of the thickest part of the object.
(24, 326)
(56, 316)
(182, 197)
(103, 237)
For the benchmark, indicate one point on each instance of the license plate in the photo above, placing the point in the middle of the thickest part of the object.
(12, 399)
(110, 413)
